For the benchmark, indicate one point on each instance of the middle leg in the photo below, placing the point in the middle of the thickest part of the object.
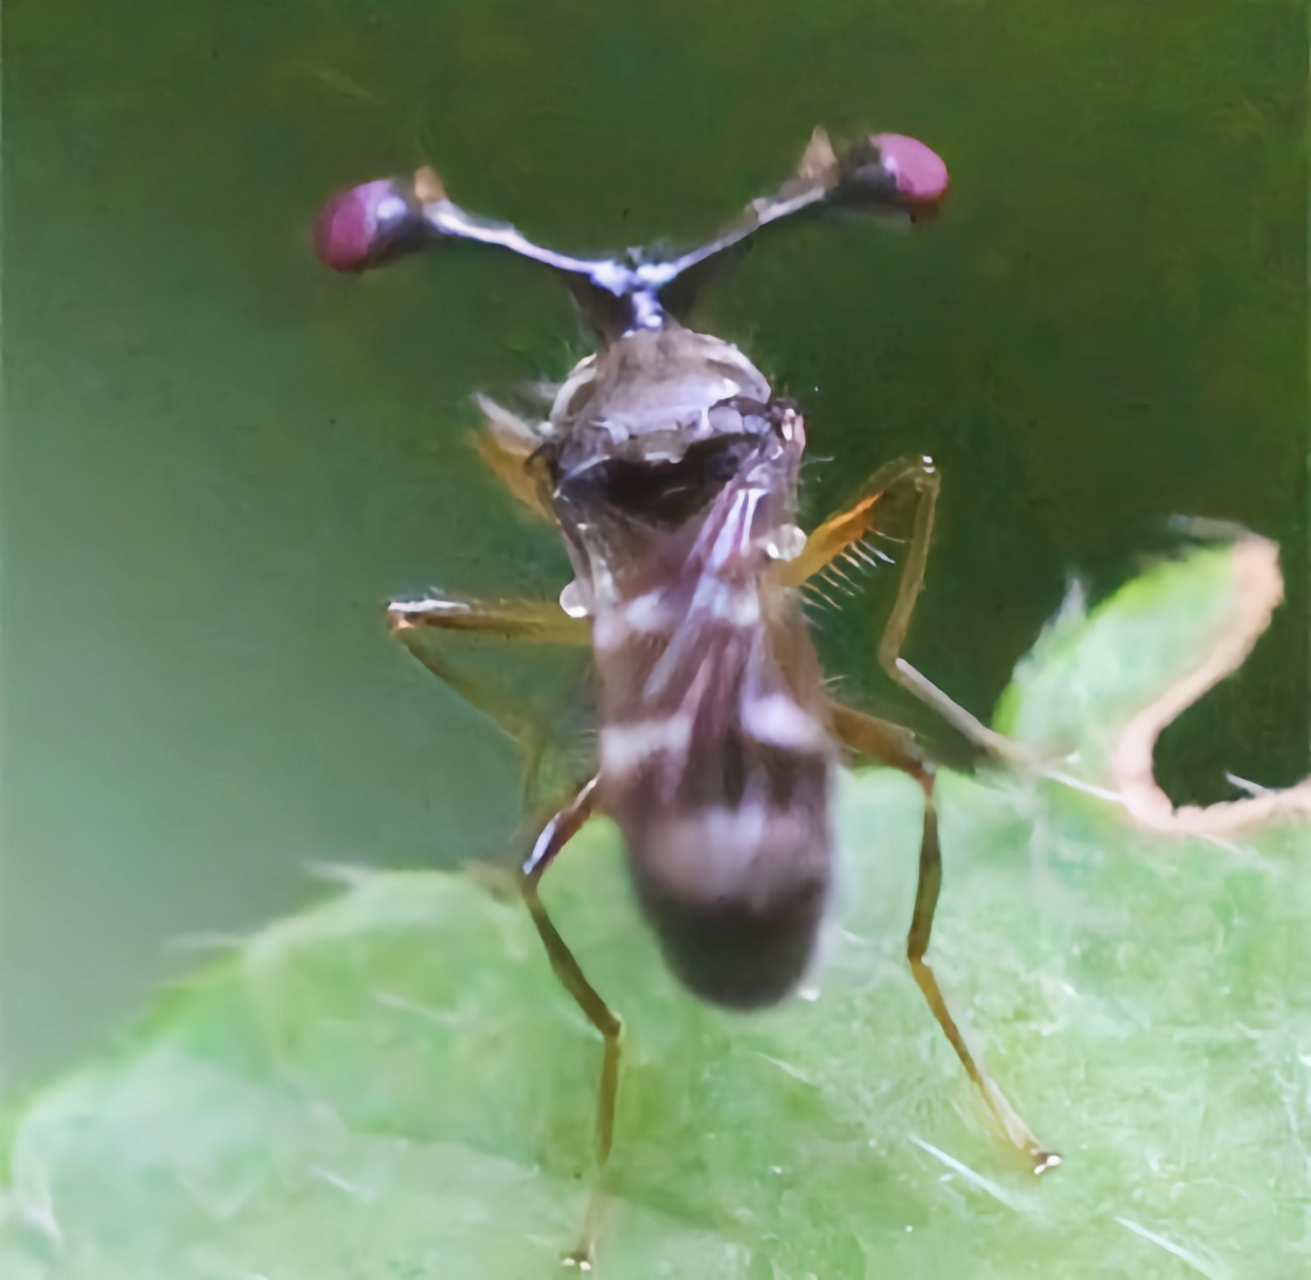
(420, 625)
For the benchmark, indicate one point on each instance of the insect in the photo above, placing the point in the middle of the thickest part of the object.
(670, 470)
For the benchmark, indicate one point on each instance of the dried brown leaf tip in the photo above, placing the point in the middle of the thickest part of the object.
(1258, 588)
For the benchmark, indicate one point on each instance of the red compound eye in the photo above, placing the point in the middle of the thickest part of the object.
(368, 226)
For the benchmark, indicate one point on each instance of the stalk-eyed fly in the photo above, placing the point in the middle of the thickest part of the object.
(669, 468)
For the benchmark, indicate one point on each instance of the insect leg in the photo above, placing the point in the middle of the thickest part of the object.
(506, 445)
(415, 622)
(879, 740)
(533, 621)
(555, 835)
(891, 745)
(917, 944)
(840, 534)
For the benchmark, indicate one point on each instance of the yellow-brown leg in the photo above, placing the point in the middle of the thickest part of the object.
(891, 745)
(555, 835)
(420, 625)
(530, 621)
(536, 623)
(841, 535)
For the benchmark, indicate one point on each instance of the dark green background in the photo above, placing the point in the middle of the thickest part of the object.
(219, 459)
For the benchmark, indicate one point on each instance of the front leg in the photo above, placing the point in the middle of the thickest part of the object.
(840, 537)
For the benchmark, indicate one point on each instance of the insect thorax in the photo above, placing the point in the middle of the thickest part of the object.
(645, 436)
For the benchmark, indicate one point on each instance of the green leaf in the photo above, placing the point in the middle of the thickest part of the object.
(1088, 675)
(393, 1084)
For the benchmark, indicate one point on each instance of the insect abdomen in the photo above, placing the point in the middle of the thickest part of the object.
(736, 896)
(718, 772)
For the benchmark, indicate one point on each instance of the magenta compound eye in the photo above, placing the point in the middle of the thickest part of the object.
(889, 172)
(369, 225)
(917, 171)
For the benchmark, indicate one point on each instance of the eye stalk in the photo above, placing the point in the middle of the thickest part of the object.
(374, 224)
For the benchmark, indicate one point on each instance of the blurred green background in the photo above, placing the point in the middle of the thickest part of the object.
(220, 460)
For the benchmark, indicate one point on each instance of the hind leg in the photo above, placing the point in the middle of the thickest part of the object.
(555, 835)
(535, 623)
(889, 744)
